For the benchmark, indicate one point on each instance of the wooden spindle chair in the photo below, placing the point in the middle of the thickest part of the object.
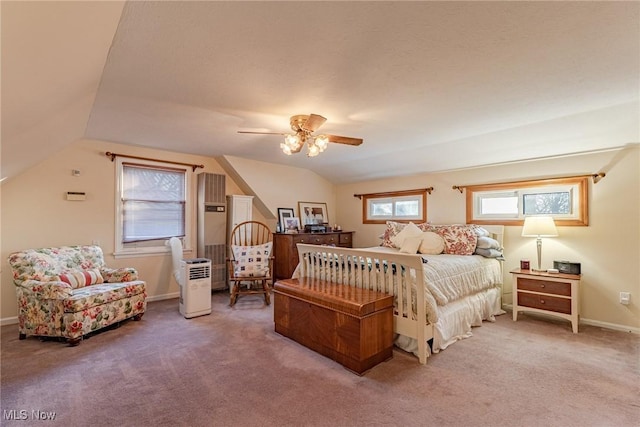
(250, 260)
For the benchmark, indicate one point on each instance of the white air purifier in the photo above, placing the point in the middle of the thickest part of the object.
(195, 287)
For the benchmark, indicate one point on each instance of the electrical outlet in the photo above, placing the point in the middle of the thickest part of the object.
(625, 297)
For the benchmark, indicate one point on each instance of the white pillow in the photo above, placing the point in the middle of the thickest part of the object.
(485, 242)
(481, 231)
(411, 230)
(411, 245)
(431, 243)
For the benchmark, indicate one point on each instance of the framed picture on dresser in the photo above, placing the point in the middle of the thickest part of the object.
(283, 214)
(313, 213)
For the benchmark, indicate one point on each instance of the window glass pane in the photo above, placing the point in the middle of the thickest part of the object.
(499, 205)
(407, 208)
(547, 203)
(381, 209)
(401, 206)
(564, 199)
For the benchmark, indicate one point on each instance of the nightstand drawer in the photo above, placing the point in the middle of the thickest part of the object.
(544, 286)
(543, 302)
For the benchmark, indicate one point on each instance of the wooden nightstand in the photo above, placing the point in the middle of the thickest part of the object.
(554, 294)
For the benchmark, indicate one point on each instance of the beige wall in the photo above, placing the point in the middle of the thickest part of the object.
(36, 214)
(608, 249)
(280, 186)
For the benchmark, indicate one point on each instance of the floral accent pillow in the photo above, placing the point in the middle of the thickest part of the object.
(81, 278)
(393, 228)
(458, 239)
(251, 261)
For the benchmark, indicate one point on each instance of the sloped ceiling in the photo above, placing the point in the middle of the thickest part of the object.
(429, 86)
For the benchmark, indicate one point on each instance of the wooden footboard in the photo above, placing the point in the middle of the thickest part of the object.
(396, 274)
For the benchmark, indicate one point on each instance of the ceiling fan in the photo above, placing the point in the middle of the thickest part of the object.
(303, 127)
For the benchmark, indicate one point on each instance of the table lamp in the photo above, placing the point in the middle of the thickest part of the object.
(539, 227)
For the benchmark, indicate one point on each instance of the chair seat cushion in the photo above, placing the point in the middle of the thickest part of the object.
(251, 261)
(93, 295)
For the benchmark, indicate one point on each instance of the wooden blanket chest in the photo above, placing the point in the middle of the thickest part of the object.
(352, 326)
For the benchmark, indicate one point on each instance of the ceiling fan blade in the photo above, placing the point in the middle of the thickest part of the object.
(262, 133)
(344, 140)
(313, 122)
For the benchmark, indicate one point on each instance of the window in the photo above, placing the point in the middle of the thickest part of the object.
(151, 206)
(401, 206)
(565, 199)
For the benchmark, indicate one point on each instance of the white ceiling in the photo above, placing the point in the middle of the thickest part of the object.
(429, 86)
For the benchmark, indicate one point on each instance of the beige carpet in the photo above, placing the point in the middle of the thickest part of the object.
(231, 369)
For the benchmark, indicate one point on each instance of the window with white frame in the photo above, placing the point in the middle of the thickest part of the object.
(151, 206)
(395, 206)
(564, 199)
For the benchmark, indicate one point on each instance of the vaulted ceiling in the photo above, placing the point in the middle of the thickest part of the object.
(429, 86)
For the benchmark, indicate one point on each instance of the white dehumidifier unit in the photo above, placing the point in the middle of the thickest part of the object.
(195, 287)
(194, 279)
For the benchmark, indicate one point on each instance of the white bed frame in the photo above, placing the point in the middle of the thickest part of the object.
(351, 267)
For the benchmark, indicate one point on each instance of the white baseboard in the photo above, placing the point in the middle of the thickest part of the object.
(14, 320)
(598, 323)
(9, 321)
(163, 297)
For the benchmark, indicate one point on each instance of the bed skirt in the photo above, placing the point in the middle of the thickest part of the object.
(456, 320)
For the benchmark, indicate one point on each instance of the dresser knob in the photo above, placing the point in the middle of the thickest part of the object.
(541, 301)
(542, 286)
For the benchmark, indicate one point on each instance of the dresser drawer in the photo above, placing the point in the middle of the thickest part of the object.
(285, 250)
(543, 302)
(345, 239)
(544, 286)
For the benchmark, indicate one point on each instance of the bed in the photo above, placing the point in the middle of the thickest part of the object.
(449, 293)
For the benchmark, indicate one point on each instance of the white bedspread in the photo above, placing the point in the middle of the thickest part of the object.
(462, 291)
(449, 278)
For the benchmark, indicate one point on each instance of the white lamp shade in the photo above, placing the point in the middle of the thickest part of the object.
(539, 226)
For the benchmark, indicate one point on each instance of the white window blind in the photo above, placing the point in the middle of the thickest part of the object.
(153, 202)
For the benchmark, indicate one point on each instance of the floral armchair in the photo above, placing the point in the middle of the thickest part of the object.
(68, 292)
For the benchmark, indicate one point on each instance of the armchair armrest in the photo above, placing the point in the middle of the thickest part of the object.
(124, 274)
(47, 290)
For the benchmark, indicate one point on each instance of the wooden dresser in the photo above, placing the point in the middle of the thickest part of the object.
(285, 250)
(549, 293)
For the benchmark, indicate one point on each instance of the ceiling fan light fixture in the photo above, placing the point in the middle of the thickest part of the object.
(285, 148)
(303, 127)
(313, 149)
(291, 144)
(322, 142)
